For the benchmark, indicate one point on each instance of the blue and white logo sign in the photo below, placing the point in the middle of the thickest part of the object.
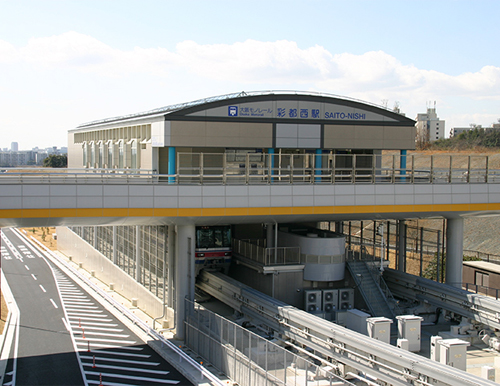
(233, 111)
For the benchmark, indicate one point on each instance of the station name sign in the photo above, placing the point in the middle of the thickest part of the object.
(236, 111)
(303, 110)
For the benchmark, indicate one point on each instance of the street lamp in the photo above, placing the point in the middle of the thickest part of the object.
(380, 232)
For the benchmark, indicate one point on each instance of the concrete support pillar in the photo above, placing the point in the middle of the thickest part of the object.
(171, 265)
(402, 246)
(184, 274)
(138, 254)
(115, 246)
(454, 251)
(95, 238)
(270, 235)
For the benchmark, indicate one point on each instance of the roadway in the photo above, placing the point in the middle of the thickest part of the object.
(65, 336)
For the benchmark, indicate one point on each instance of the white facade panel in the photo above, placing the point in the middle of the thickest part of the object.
(32, 202)
(116, 202)
(140, 202)
(11, 202)
(89, 202)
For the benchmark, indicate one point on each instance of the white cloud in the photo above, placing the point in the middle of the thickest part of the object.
(76, 77)
(279, 63)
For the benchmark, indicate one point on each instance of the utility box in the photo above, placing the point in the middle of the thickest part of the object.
(488, 372)
(435, 347)
(453, 352)
(402, 343)
(379, 328)
(312, 301)
(356, 320)
(409, 327)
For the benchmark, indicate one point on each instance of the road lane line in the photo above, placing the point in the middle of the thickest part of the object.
(25, 266)
(122, 354)
(68, 327)
(89, 327)
(120, 376)
(106, 340)
(120, 360)
(84, 346)
(34, 277)
(104, 334)
(135, 369)
(43, 289)
(53, 303)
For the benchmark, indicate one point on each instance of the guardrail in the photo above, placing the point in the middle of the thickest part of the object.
(262, 168)
(482, 290)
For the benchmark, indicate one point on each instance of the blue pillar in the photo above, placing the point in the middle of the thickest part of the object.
(318, 164)
(171, 164)
(402, 161)
(270, 151)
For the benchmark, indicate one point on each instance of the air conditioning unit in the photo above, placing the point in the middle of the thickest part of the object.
(346, 299)
(312, 300)
(330, 300)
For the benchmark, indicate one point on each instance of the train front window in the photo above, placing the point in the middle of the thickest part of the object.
(204, 238)
(213, 237)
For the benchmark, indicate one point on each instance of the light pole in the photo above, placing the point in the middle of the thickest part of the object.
(380, 232)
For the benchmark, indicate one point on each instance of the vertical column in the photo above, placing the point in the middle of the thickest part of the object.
(115, 246)
(171, 164)
(318, 165)
(171, 265)
(184, 274)
(402, 246)
(402, 162)
(270, 235)
(270, 153)
(454, 251)
(138, 253)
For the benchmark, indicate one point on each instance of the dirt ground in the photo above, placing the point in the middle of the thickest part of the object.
(45, 235)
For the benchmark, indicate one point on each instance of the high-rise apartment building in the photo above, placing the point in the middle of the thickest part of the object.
(429, 127)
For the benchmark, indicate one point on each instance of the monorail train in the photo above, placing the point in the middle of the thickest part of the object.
(213, 248)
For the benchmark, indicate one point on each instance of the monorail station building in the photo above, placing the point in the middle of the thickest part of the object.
(287, 207)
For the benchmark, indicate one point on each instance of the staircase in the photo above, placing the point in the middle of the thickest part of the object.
(367, 284)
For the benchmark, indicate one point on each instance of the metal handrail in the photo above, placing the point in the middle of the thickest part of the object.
(207, 168)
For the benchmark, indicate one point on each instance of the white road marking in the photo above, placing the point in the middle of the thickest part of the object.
(80, 307)
(53, 303)
(104, 334)
(68, 327)
(110, 375)
(123, 354)
(135, 369)
(96, 319)
(78, 301)
(91, 321)
(93, 345)
(106, 340)
(70, 309)
(25, 266)
(34, 277)
(120, 360)
(43, 289)
(84, 314)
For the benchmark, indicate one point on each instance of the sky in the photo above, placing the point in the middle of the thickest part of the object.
(67, 62)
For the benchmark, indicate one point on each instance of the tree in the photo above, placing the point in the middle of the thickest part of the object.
(56, 161)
